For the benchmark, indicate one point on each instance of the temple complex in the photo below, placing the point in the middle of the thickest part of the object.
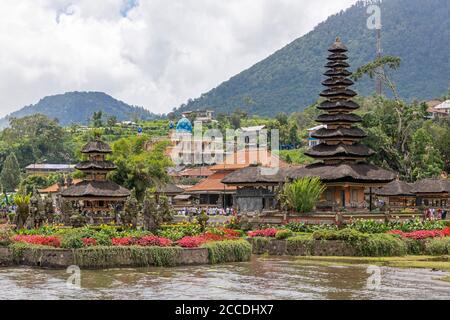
(340, 156)
(95, 193)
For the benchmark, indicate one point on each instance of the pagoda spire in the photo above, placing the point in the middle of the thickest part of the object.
(340, 140)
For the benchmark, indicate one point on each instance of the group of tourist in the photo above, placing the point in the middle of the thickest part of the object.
(214, 211)
(435, 214)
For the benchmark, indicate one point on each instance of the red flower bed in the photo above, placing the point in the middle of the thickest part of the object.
(153, 241)
(146, 241)
(89, 242)
(191, 242)
(271, 232)
(38, 240)
(423, 234)
(230, 233)
(197, 241)
(122, 242)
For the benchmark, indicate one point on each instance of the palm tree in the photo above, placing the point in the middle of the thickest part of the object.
(302, 194)
(22, 202)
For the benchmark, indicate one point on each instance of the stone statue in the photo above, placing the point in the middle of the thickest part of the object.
(37, 213)
(130, 211)
(49, 209)
(165, 209)
(152, 217)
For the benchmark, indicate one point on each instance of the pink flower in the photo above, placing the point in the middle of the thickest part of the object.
(271, 232)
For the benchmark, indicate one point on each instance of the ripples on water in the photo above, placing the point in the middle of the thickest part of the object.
(262, 278)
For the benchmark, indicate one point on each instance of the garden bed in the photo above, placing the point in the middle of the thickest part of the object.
(120, 256)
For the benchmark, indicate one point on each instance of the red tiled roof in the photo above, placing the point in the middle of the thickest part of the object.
(212, 183)
(55, 188)
(243, 159)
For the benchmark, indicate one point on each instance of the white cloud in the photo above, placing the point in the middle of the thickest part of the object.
(162, 53)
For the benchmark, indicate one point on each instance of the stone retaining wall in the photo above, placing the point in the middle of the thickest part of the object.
(307, 248)
(61, 258)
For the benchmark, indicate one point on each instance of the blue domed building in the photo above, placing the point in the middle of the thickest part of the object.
(184, 126)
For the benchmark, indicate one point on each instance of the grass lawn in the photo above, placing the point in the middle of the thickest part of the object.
(427, 262)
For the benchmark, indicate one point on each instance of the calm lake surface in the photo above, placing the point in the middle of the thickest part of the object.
(262, 278)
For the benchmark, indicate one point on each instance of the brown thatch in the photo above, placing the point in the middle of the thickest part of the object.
(337, 73)
(431, 186)
(99, 189)
(396, 188)
(338, 47)
(96, 165)
(340, 104)
(255, 175)
(331, 93)
(337, 82)
(337, 64)
(339, 133)
(339, 118)
(96, 146)
(348, 172)
(340, 150)
(169, 188)
(337, 56)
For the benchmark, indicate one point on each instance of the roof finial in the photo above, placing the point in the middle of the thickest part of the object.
(338, 39)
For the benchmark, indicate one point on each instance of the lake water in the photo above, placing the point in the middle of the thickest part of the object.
(262, 278)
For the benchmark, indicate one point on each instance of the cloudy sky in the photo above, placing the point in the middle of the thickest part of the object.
(152, 53)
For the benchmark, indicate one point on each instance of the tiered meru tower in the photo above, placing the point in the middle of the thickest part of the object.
(341, 156)
(96, 193)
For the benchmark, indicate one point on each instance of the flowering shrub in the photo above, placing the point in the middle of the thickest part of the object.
(154, 241)
(50, 241)
(122, 242)
(423, 234)
(89, 242)
(197, 241)
(191, 242)
(145, 241)
(271, 232)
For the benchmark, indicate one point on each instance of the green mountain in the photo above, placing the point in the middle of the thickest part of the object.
(78, 108)
(418, 31)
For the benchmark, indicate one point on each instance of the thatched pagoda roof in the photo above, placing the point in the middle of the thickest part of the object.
(340, 150)
(337, 56)
(169, 188)
(96, 189)
(341, 104)
(96, 165)
(335, 92)
(337, 82)
(396, 188)
(337, 73)
(96, 146)
(340, 117)
(348, 172)
(338, 47)
(353, 132)
(431, 186)
(256, 175)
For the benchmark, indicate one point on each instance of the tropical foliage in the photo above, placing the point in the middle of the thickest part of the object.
(302, 194)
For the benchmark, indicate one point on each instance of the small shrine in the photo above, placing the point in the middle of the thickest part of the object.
(96, 194)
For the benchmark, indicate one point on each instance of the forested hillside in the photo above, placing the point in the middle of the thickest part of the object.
(289, 80)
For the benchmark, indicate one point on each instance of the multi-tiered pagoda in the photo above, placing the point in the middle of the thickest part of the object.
(341, 156)
(96, 193)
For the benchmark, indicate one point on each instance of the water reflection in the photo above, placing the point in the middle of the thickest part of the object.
(261, 278)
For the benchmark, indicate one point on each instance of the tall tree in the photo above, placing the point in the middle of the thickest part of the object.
(10, 175)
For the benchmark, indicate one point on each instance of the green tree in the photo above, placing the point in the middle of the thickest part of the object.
(97, 119)
(10, 175)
